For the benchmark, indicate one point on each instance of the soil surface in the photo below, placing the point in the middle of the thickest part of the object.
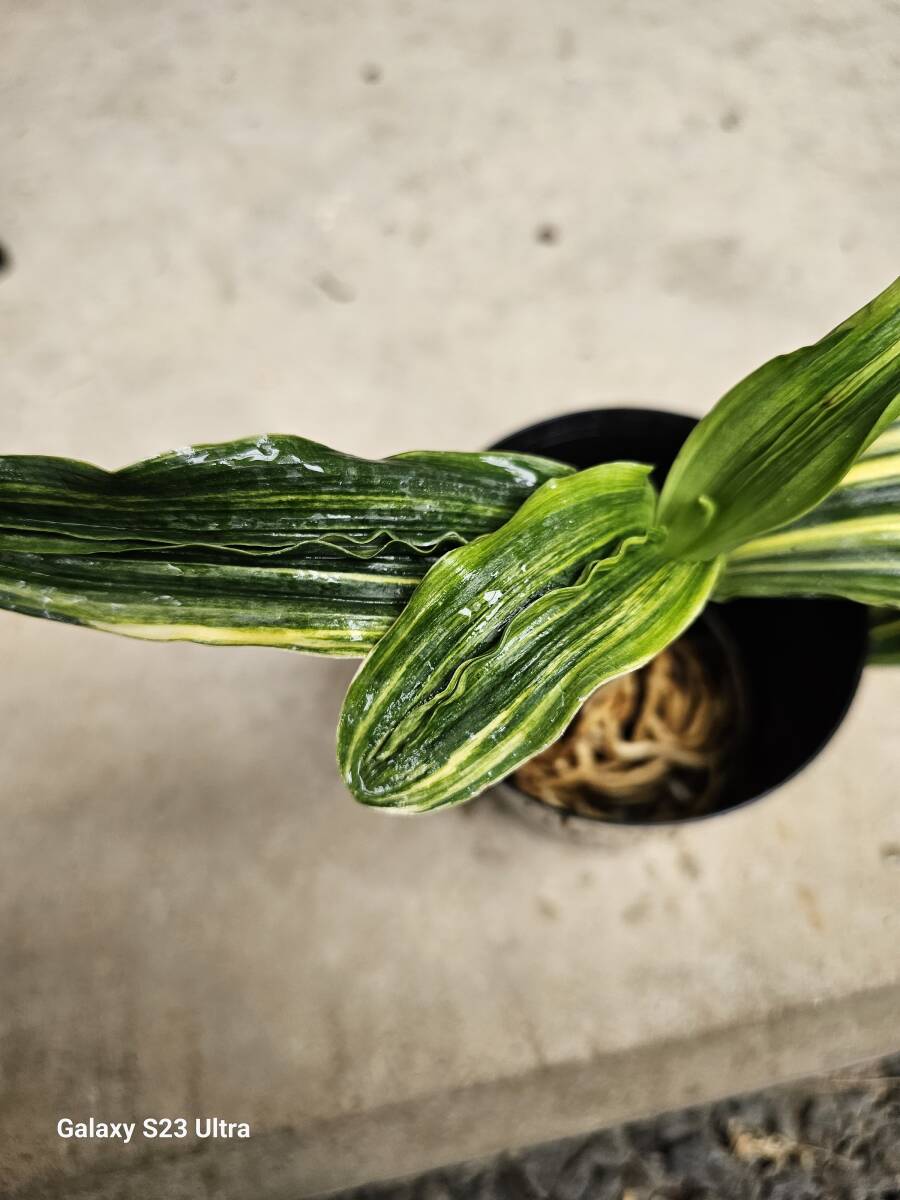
(836, 1137)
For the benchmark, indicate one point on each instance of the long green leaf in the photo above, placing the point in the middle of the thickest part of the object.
(271, 541)
(340, 606)
(507, 636)
(267, 494)
(783, 438)
(884, 641)
(847, 546)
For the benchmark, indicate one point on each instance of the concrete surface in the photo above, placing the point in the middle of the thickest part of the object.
(390, 225)
(831, 1136)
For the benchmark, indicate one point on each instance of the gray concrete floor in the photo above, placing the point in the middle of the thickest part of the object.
(332, 219)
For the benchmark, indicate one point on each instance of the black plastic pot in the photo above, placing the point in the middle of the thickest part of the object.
(800, 660)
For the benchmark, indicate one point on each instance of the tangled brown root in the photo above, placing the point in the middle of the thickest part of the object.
(655, 744)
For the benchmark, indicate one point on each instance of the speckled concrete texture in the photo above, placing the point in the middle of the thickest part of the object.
(836, 1136)
(390, 225)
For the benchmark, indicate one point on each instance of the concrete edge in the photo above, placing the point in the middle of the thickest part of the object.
(553, 1102)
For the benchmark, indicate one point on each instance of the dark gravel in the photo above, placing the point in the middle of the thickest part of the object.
(834, 1138)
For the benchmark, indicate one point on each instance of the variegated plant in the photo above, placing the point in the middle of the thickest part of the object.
(272, 541)
(491, 592)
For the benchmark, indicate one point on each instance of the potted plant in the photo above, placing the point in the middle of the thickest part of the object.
(492, 594)
(733, 708)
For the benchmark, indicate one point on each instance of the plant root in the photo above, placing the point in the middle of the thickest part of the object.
(655, 744)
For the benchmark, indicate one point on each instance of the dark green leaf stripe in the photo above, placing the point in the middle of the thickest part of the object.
(783, 438)
(506, 637)
(884, 641)
(273, 541)
(848, 546)
(268, 493)
(330, 608)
